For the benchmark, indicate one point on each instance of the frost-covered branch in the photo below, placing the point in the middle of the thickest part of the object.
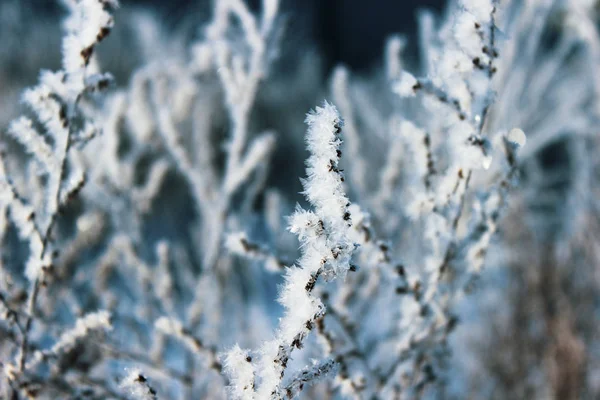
(239, 244)
(67, 341)
(326, 250)
(137, 386)
(58, 121)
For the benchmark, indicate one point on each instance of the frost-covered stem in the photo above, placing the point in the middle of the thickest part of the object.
(326, 248)
(491, 70)
(161, 368)
(209, 206)
(31, 300)
(102, 385)
(391, 172)
(355, 352)
(175, 328)
(91, 226)
(198, 184)
(242, 99)
(63, 386)
(78, 48)
(240, 83)
(55, 197)
(393, 56)
(308, 376)
(83, 327)
(492, 49)
(461, 204)
(240, 245)
(10, 314)
(218, 220)
(428, 87)
(168, 132)
(138, 386)
(427, 36)
(35, 285)
(451, 251)
(255, 186)
(340, 360)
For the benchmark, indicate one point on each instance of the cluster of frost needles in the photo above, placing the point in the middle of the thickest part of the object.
(149, 249)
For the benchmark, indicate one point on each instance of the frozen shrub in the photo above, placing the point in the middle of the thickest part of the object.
(143, 230)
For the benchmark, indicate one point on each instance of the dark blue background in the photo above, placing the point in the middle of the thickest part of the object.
(348, 31)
